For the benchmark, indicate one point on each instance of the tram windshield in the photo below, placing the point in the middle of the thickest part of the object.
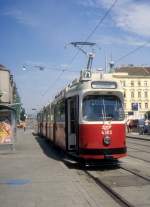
(102, 107)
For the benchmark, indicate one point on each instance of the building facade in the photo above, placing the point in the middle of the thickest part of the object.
(136, 85)
(8, 91)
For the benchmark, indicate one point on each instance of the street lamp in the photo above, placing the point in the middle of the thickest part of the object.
(23, 67)
(34, 109)
(61, 68)
(39, 67)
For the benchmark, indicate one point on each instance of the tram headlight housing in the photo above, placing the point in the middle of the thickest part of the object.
(107, 140)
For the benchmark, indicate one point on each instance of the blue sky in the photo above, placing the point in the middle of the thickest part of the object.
(35, 32)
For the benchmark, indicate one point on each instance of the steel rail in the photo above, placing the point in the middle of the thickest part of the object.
(130, 137)
(112, 193)
(137, 143)
(135, 173)
(138, 158)
(116, 197)
(139, 150)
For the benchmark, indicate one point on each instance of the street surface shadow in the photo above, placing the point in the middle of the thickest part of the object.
(49, 149)
(94, 165)
(72, 162)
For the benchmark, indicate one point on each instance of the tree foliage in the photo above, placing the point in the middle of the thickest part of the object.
(147, 115)
(23, 115)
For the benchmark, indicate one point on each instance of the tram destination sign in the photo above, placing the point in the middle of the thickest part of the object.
(104, 85)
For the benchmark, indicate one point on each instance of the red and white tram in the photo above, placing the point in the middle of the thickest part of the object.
(86, 119)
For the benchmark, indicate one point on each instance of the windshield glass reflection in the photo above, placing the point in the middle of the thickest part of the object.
(100, 108)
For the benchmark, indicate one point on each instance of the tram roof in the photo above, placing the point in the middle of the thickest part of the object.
(84, 83)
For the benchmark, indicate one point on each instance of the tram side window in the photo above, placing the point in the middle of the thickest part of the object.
(57, 115)
(72, 116)
(52, 114)
(44, 118)
(60, 112)
(99, 108)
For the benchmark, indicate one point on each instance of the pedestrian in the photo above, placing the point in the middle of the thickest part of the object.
(24, 126)
(141, 126)
(128, 125)
(146, 124)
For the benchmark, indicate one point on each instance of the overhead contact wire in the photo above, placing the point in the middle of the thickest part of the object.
(132, 51)
(96, 27)
(88, 37)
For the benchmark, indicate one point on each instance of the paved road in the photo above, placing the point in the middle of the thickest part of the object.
(34, 176)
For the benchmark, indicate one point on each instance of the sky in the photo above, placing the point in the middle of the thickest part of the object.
(38, 32)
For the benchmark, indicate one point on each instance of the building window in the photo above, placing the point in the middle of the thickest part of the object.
(123, 83)
(146, 105)
(124, 94)
(125, 105)
(139, 94)
(139, 83)
(140, 106)
(132, 94)
(145, 83)
(146, 94)
(132, 83)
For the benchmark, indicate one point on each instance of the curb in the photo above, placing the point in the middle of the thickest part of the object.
(141, 138)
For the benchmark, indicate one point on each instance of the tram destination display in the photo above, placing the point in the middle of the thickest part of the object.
(103, 85)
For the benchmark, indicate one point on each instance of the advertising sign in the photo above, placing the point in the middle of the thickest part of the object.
(134, 106)
(6, 133)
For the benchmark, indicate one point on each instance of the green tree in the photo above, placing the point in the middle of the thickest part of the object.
(17, 107)
(147, 115)
(23, 115)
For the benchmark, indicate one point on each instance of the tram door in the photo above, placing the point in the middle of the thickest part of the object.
(72, 123)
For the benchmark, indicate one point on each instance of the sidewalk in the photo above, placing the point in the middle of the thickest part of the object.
(135, 135)
(35, 176)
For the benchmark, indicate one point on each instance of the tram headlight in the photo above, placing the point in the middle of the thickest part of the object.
(107, 140)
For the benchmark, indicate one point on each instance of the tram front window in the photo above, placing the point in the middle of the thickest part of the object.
(100, 108)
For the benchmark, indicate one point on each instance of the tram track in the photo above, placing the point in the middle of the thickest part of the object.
(110, 183)
(136, 173)
(141, 138)
(109, 189)
(101, 184)
(135, 143)
(138, 158)
(113, 194)
(139, 150)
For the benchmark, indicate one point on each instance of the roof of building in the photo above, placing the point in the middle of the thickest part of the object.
(4, 106)
(2, 67)
(134, 70)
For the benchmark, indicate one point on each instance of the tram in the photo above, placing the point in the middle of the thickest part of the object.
(86, 119)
